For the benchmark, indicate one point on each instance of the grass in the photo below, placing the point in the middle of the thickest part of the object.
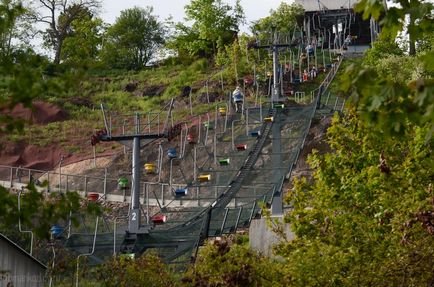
(98, 86)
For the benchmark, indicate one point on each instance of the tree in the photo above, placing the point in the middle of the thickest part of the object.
(213, 23)
(366, 217)
(59, 15)
(147, 270)
(85, 40)
(10, 12)
(134, 39)
(223, 263)
(284, 19)
(21, 82)
(375, 90)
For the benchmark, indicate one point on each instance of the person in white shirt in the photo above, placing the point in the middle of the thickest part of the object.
(238, 99)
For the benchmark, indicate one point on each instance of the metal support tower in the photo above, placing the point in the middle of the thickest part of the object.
(134, 141)
(277, 205)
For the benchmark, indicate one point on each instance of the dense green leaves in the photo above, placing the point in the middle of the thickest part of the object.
(214, 22)
(83, 45)
(284, 19)
(147, 270)
(134, 39)
(393, 88)
(224, 264)
(367, 211)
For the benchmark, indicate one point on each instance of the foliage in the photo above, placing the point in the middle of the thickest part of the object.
(383, 47)
(10, 13)
(224, 264)
(84, 42)
(382, 97)
(148, 270)
(284, 19)
(22, 80)
(134, 39)
(213, 22)
(366, 219)
(59, 15)
(39, 210)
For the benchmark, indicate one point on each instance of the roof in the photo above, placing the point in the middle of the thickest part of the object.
(319, 5)
(17, 247)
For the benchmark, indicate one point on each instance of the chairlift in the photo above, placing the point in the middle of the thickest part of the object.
(222, 111)
(181, 192)
(204, 177)
(241, 147)
(191, 138)
(56, 230)
(255, 134)
(123, 183)
(159, 219)
(150, 168)
(208, 125)
(224, 161)
(269, 119)
(93, 197)
(171, 153)
(248, 80)
(279, 106)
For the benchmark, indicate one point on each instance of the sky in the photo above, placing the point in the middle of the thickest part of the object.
(254, 9)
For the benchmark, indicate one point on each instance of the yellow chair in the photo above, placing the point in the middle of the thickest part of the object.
(269, 119)
(222, 111)
(149, 168)
(204, 177)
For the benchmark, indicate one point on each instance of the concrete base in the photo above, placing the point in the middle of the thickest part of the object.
(262, 239)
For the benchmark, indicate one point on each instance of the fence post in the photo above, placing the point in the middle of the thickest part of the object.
(12, 177)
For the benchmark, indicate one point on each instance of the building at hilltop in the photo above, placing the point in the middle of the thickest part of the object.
(334, 23)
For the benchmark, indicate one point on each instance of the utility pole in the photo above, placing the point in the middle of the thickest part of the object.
(135, 140)
(276, 97)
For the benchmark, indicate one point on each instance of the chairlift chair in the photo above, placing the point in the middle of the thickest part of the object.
(241, 147)
(204, 177)
(150, 168)
(181, 192)
(159, 219)
(171, 153)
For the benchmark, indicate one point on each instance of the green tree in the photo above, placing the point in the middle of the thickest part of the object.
(365, 220)
(374, 87)
(22, 80)
(223, 263)
(284, 19)
(59, 15)
(10, 13)
(134, 39)
(148, 270)
(213, 22)
(85, 40)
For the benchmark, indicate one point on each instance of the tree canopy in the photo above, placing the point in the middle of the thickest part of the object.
(285, 18)
(134, 39)
(214, 24)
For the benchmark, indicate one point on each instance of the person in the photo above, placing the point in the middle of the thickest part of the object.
(305, 76)
(238, 98)
(309, 50)
(313, 72)
(348, 40)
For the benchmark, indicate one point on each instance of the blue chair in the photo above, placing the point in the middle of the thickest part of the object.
(181, 192)
(171, 153)
(56, 230)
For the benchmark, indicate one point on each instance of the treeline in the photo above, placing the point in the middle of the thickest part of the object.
(75, 35)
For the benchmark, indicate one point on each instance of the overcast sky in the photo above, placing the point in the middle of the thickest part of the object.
(254, 9)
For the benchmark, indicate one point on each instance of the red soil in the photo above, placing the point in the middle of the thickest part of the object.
(42, 158)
